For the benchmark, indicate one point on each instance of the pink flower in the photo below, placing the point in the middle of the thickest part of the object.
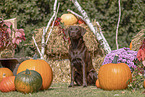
(19, 36)
(20, 33)
(16, 40)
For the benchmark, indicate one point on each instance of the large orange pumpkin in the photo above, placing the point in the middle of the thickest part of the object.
(68, 19)
(114, 76)
(7, 84)
(5, 71)
(41, 67)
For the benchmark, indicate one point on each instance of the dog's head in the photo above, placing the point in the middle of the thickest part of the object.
(75, 32)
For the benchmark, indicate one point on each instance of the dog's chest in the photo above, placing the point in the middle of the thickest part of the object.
(75, 54)
(76, 59)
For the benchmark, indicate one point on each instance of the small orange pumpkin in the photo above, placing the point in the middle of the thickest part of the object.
(7, 84)
(98, 84)
(114, 76)
(41, 67)
(5, 71)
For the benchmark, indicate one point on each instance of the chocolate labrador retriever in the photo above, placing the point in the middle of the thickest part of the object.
(82, 70)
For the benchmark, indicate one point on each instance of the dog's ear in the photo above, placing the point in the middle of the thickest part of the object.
(83, 30)
(66, 32)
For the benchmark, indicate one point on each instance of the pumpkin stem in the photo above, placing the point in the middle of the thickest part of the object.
(115, 59)
(27, 71)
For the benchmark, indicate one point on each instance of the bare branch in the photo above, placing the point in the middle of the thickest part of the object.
(102, 37)
(45, 31)
(36, 45)
(54, 11)
(53, 23)
(43, 43)
(118, 25)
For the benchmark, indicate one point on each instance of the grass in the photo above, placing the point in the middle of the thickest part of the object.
(62, 90)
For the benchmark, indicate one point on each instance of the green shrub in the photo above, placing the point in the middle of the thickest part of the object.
(28, 12)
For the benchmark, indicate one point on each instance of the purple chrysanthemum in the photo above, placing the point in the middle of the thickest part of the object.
(125, 56)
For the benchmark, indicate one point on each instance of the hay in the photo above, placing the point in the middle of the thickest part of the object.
(57, 47)
(61, 70)
(136, 42)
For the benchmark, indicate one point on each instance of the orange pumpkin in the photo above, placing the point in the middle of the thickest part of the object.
(68, 19)
(97, 83)
(114, 76)
(5, 71)
(7, 84)
(41, 67)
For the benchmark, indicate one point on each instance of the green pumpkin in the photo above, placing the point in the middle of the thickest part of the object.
(28, 81)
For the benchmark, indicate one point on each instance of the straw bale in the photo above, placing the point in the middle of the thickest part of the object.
(61, 70)
(137, 40)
